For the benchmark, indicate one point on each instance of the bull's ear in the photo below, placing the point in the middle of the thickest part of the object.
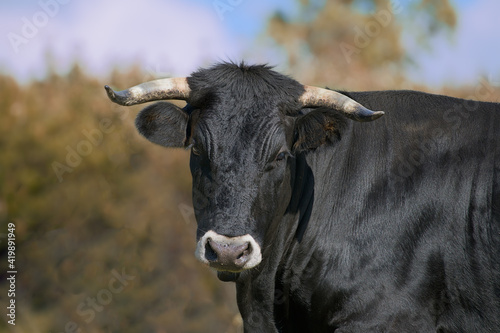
(164, 124)
(317, 127)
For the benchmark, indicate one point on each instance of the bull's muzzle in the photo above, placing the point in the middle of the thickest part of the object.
(230, 254)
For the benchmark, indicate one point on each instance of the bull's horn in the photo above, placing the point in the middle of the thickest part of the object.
(315, 97)
(172, 88)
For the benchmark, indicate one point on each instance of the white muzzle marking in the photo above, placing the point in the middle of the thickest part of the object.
(255, 255)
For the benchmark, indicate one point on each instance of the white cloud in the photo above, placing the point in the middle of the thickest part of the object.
(164, 36)
(175, 37)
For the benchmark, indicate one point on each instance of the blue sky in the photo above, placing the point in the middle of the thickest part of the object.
(471, 53)
(173, 37)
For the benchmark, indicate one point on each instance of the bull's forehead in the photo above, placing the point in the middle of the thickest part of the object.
(242, 111)
(239, 138)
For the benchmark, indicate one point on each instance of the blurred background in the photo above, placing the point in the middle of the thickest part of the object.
(105, 233)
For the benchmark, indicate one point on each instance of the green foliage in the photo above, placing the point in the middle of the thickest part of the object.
(117, 210)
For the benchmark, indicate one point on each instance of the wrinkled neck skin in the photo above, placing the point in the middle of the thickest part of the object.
(257, 290)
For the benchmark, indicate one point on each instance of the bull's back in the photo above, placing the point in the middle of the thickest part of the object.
(415, 196)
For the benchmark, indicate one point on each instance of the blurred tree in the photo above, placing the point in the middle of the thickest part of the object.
(342, 40)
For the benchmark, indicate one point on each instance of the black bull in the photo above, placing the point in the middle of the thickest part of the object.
(327, 224)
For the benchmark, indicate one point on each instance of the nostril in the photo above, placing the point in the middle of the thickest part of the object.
(245, 252)
(210, 254)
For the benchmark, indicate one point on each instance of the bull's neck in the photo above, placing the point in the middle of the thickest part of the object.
(302, 195)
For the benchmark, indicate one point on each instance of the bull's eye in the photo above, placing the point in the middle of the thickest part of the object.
(281, 156)
(196, 151)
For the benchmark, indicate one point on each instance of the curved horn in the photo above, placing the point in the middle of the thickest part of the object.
(172, 88)
(314, 96)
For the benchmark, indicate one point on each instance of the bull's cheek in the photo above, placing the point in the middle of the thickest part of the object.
(274, 200)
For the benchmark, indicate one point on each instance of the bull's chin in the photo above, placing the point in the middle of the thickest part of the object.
(227, 276)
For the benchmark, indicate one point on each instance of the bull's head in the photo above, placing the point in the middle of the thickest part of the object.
(244, 125)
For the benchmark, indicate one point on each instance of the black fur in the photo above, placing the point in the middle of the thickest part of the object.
(163, 123)
(388, 226)
(317, 128)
